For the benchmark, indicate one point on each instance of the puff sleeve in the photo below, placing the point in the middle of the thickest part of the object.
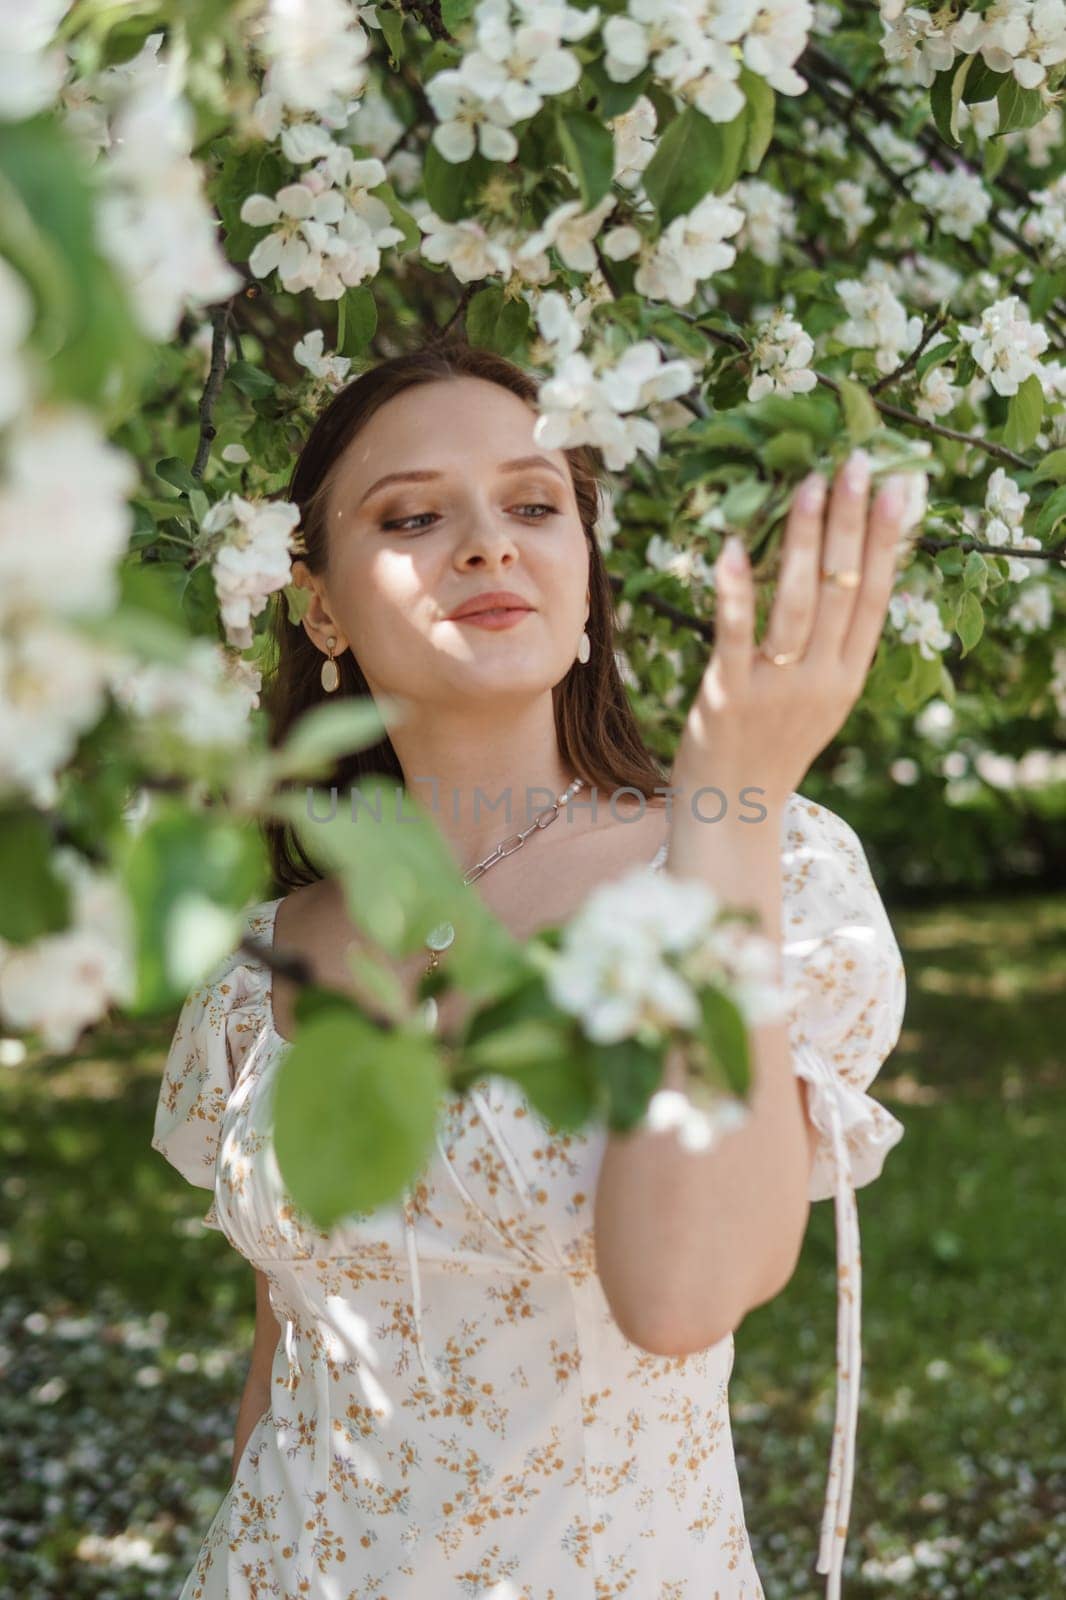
(198, 1080)
(842, 964)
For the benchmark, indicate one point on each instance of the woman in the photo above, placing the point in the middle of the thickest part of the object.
(514, 1384)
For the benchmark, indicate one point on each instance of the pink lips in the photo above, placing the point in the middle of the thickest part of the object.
(495, 608)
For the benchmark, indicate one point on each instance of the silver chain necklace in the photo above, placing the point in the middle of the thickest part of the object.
(440, 937)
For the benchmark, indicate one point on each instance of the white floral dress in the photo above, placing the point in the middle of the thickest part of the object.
(454, 1411)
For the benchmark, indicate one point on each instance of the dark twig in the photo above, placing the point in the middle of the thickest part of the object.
(213, 386)
(932, 327)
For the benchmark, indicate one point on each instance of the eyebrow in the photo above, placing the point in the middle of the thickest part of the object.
(424, 475)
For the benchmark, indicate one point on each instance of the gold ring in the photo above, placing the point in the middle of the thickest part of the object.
(784, 658)
(844, 578)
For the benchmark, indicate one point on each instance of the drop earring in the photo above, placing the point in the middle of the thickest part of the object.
(584, 648)
(331, 676)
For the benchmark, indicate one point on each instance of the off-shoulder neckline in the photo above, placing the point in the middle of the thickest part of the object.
(269, 910)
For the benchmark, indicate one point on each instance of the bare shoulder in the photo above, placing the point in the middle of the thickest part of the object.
(312, 924)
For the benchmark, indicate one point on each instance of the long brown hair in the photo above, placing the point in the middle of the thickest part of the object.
(598, 734)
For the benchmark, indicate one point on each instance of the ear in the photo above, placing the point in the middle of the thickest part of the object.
(317, 621)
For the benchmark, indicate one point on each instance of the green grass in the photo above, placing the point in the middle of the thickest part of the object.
(125, 1328)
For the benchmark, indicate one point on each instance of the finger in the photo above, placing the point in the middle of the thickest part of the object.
(879, 571)
(842, 551)
(734, 629)
(796, 600)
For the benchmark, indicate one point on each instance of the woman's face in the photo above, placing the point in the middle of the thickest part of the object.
(442, 496)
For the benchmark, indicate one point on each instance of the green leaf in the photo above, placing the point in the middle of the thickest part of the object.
(36, 899)
(629, 1073)
(686, 165)
(981, 83)
(969, 621)
(975, 572)
(588, 148)
(725, 1034)
(861, 415)
(452, 186)
(391, 23)
(92, 350)
(760, 122)
(177, 473)
(958, 82)
(481, 315)
(361, 320)
(187, 877)
(1050, 514)
(354, 1113)
(935, 357)
(250, 380)
(401, 218)
(1018, 107)
(789, 451)
(399, 876)
(1045, 289)
(607, 99)
(1025, 412)
(742, 500)
(942, 104)
(455, 12)
(1052, 466)
(328, 732)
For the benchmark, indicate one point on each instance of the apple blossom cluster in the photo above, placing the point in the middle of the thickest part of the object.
(61, 535)
(1005, 507)
(1020, 37)
(252, 560)
(594, 400)
(781, 350)
(32, 66)
(327, 230)
(152, 219)
(520, 58)
(877, 320)
(632, 963)
(698, 50)
(1006, 344)
(918, 620)
(61, 983)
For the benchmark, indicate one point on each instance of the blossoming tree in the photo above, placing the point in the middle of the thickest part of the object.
(734, 237)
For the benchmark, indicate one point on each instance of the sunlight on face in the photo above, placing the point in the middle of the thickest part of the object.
(441, 496)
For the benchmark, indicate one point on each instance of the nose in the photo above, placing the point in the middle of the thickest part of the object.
(486, 540)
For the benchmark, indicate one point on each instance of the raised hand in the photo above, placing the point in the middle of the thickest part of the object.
(757, 723)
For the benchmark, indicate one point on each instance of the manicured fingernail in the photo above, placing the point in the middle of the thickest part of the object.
(892, 494)
(734, 558)
(811, 493)
(857, 469)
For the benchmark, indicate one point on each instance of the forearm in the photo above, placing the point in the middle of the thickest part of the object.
(254, 1401)
(687, 1243)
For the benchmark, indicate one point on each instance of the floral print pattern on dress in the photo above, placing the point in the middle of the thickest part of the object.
(454, 1411)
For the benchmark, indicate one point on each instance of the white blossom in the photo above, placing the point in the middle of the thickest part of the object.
(53, 687)
(634, 141)
(152, 219)
(1006, 344)
(62, 531)
(781, 351)
(317, 52)
(465, 246)
(1032, 611)
(207, 699)
(918, 621)
(333, 370)
(252, 561)
(571, 231)
(621, 964)
(877, 321)
(689, 251)
(32, 68)
(63, 982)
(960, 201)
(769, 219)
